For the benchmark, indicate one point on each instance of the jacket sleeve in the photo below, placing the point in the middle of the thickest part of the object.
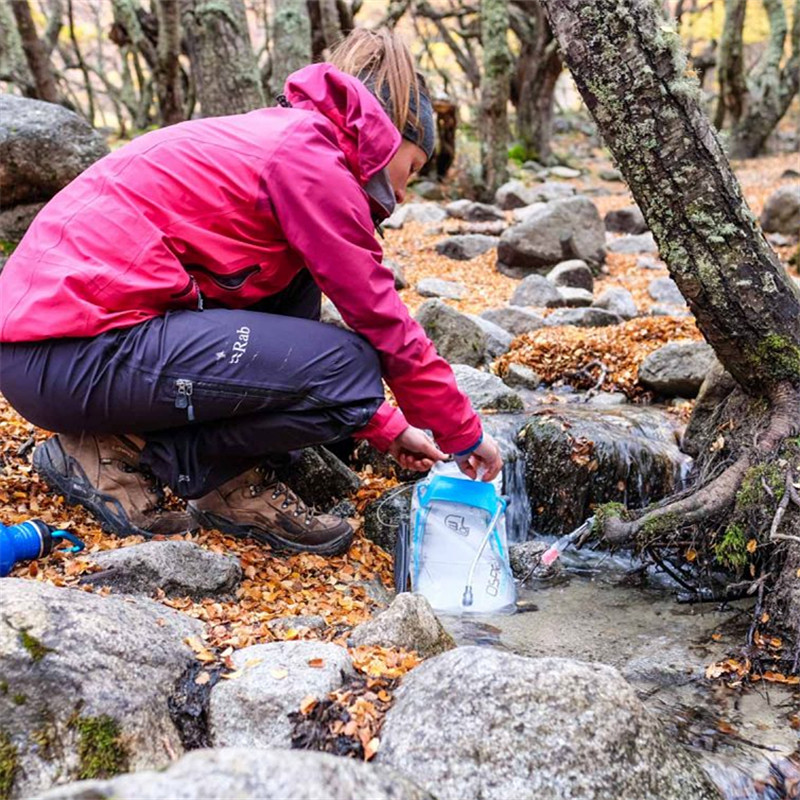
(324, 214)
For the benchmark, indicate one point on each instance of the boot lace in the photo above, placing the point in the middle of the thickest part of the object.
(280, 489)
(152, 484)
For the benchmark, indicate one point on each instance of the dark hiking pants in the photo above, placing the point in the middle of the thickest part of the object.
(213, 393)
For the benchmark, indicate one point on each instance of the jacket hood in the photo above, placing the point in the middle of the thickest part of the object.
(367, 135)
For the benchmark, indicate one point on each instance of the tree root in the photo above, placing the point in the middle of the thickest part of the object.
(719, 494)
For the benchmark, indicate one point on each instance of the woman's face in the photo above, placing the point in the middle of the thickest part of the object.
(408, 159)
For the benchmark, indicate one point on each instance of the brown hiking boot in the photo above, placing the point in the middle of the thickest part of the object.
(102, 474)
(257, 504)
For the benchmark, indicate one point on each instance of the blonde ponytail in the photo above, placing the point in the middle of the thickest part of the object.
(382, 59)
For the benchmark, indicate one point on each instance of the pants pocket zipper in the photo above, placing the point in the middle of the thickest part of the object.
(183, 399)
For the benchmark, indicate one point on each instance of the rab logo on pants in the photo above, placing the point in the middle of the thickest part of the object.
(240, 346)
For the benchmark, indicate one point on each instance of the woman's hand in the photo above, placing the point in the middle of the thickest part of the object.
(485, 462)
(414, 449)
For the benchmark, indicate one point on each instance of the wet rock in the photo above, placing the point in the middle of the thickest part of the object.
(179, 569)
(382, 517)
(572, 297)
(247, 773)
(564, 172)
(282, 624)
(609, 175)
(83, 672)
(437, 287)
(458, 338)
(609, 399)
(781, 212)
(663, 663)
(320, 478)
(563, 229)
(520, 376)
(514, 319)
(486, 391)
(643, 243)
(582, 317)
(618, 301)
(429, 190)
(560, 730)
(415, 212)
(537, 291)
(399, 272)
(626, 220)
(665, 290)
(474, 212)
(574, 273)
(43, 146)
(16, 220)
(252, 710)
(466, 246)
(523, 213)
(678, 368)
(628, 455)
(409, 623)
(525, 558)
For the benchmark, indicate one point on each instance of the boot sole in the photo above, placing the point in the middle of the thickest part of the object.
(212, 522)
(77, 492)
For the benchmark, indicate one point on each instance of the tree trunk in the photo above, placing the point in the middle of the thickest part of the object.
(494, 94)
(291, 41)
(13, 64)
(730, 70)
(168, 74)
(629, 68)
(222, 59)
(326, 26)
(35, 52)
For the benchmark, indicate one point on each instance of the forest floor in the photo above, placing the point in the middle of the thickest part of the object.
(278, 586)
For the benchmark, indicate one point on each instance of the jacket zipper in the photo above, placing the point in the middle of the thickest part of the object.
(184, 397)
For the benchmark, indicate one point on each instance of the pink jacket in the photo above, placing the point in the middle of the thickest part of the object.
(231, 209)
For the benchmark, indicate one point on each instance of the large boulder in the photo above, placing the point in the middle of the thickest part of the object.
(626, 220)
(486, 391)
(410, 623)
(86, 683)
(536, 291)
(781, 212)
(467, 246)
(579, 458)
(515, 319)
(43, 146)
(498, 340)
(562, 229)
(251, 774)
(476, 722)
(273, 680)
(677, 369)
(16, 220)
(458, 338)
(177, 568)
(320, 478)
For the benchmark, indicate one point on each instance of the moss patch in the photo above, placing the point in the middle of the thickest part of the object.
(731, 550)
(779, 356)
(9, 764)
(100, 749)
(35, 648)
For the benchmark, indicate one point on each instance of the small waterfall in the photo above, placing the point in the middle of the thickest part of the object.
(518, 516)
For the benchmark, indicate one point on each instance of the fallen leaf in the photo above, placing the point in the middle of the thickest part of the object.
(202, 679)
(317, 663)
(308, 703)
(279, 674)
(752, 544)
(371, 747)
(690, 554)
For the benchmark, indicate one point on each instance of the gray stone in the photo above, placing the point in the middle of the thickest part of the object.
(667, 310)
(572, 297)
(609, 175)
(458, 338)
(537, 291)
(429, 190)
(178, 568)
(383, 517)
(320, 478)
(377, 592)
(415, 212)
(466, 247)
(618, 301)
(790, 174)
(532, 166)
(493, 228)
(437, 287)
(564, 172)
(582, 318)
(677, 368)
(525, 212)
(514, 194)
(665, 290)
(498, 340)
(273, 679)
(525, 558)
(247, 773)
(68, 657)
(533, 729)
(520, 376)
(562, 229)
(515, 319)
(409, 623)
(15, 221)
(649, 262)
(474, 212)
(313, 622)
(574, 273)
(43, 146)
(552, 190)
(486, 391)
(781, 212)
(643, 243)
(608, 399)
(399, 272)
(330, 314)
(626, 220)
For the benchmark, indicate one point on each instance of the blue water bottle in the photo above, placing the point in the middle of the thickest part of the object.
(29, 540)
